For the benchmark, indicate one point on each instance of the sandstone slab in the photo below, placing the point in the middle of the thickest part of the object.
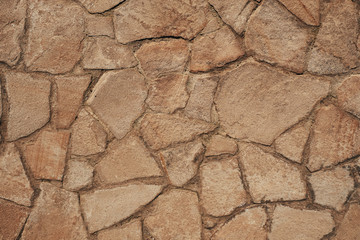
(306, 10)
(349, 95)
(349, 228)
(99, 25)
(12, 219)
(129, 231)
(99, 6)
(219, 144)
(79, 175)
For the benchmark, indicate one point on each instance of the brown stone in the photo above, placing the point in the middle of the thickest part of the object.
(12, 219)
(214, 22)
(253, 109)
(349, 228)
(56, 215)
(349, 95)
(99, 6)
(129, 231)
(78, 175)
(55, 33)
(162, 130)
(116, 204)
(220, 145)
(157, 18)
(306, 10)
(270, 178)
(99, 25)
(175, 215)
(276, 36)
(28, 99)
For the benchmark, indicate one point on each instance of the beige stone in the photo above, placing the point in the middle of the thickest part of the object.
(99, 6)
(175, 215)
(129, 231)
(214, 22)
(222, 189)
(15, 185)
(56, 215)
(215, 49)
(251, 108)
(99, 25)
(126, 159)
(78, 175)
(157, 18)
(276, 36)
(349, 228)
(244, 226)
(28, 99)
(55, 33)
(296, 224)
(105, 53)
(12, 219)
(162, 130)
(220, 145)
(270, 178)
(116, 204)
(306, 10)
(349, 95)
(336, 138)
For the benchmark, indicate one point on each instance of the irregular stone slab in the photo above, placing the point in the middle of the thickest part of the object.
(270, 178)
(348, 95)
(349, 227)
(99, 6)
(157, 18)
(15, 185)
(79, 175)
(116, 204)
(129, 231)
(106, 53)
(276, 36)
(28, 99)
(87, 135)
(56, 215)
(46, 156)
(304, 224)
(306, 10)
(222, 189)
(214, 22)
(244, 226)
(220, 145)
(182, 162)
(161, 130)
(331, 188)
(55, 33)
(336, 138)
(118, 99)
(99, 25)
(253, 109)
(69, 96)
(175, 216)
(215, 49)
(126, 159)
(12, 219)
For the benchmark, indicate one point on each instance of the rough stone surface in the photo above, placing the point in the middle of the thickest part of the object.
(79, 175)
(349, 229)
(99, 25)
(349, 94)
(220, 145)
(306, 10)
(99, 6)
(129, 231)
(12, 219)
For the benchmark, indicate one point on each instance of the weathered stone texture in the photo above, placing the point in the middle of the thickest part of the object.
(99, 25)
(349, 229)
(79, 174)
(99, 6)
(349, 94)
(12, 219)
(220, 145)
(129, 231)
(306, 10)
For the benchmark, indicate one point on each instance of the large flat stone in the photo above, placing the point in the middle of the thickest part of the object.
(99, 6)
(349, 94)
(219, 144)
(78, 175)
(129, 231)
(349, 228)
(99, 25)
(12, 219)
(306, 10)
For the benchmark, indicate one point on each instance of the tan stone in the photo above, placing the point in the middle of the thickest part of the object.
(56, 215)
(306, 10)
(99, 6)
(15, 185)
(126, 159)
(276, 36)
(349, 95)
(222, 189)
(46, 156)
(28, 99)
(175, 215)
(215, 49)
(129, 231)
(78, 175)
(12, 219)
(220, 145)
(270, 178)
(105, 53)
(304, 224)
(214, 22)
(336, 138)
(162, 130)
(244, 226)
(157, 18)
(116, 102)
(253, 109)
(55, 33)
(69, 96)
(99, 25)
(116, 204)
(349, 228)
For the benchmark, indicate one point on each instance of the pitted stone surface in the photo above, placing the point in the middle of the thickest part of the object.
(130, 231)
(12, 219)
(219, 144)
(99, 6)
(349, 94)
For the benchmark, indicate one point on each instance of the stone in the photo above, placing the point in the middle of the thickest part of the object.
(332, 188)
(307, 11)
(163, 57)
(15, 185)
(175, 215)
(336, 138)
(220, 145)
(129, 231)
(78, 175)
(215, 49)
(168, 93)
(99, 25)
(116, 204)
(105, 53)
(214, 22)
(349, 228)
(28, 99)
(126, 159)
(222, 189)
(249, 224)
(182, 162)
(276, 36)
(69, 96)
(12, 219)
(348, 95)
(47, 154)
(270, 178)
(56, 215)
(304, 224)
(252, 109)
(99, 6)
(163, 19)
(161, 130)
(118, 99)
(12, 22)
(55, 33)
